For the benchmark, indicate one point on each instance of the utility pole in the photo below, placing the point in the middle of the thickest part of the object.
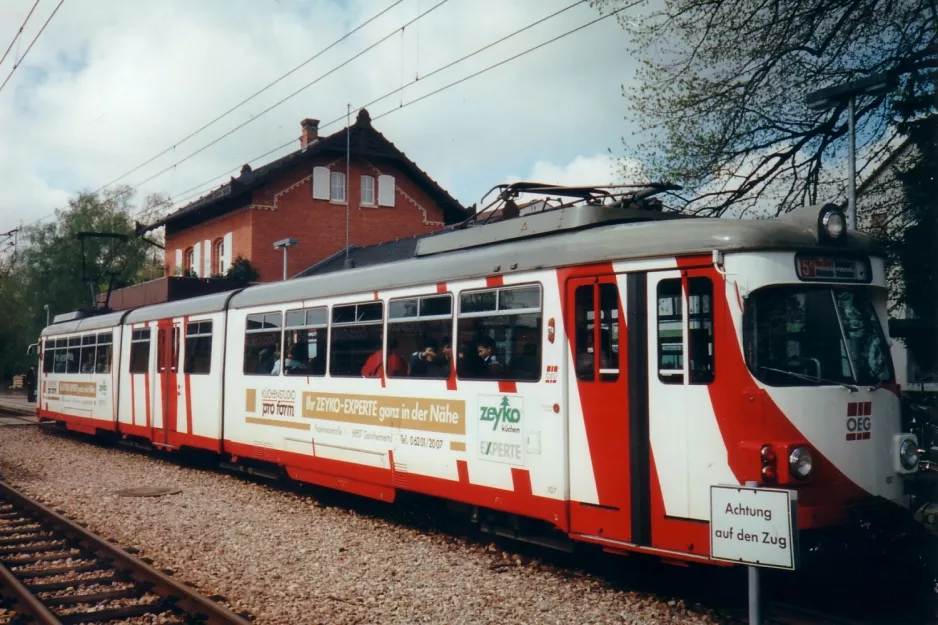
(283, 244)
(837, 96)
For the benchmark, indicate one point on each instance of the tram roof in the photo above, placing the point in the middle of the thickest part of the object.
(795, 231)
(395, 266)
(85, 324)
(203, 305)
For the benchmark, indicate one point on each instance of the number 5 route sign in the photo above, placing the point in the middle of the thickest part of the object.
(754, 526)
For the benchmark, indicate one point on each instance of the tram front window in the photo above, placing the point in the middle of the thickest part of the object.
(815, 336)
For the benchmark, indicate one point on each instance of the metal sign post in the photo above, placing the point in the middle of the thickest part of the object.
(756, 527)
(755, 603)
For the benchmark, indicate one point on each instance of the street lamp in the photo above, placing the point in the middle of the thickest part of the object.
(283, 244)
(46, 307)
(833, 97)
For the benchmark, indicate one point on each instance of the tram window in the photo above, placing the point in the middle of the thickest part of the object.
(355, 346)
(198, 359)
(700, 330)
(421, 328)
(305, 337)
(88, 345)
(608, 305)
(670, 332)
(583, 301)
(48, 356)
(262, 338)
(73, 355)
(499, 334)
(140, 350)
(700, 338)
(61, 355)
(102, 363)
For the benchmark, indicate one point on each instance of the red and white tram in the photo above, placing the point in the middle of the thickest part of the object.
(587, 369)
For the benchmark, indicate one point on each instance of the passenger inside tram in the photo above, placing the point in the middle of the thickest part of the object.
(103, 364)
(428, 362)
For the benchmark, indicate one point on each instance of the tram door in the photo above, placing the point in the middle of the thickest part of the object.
(167, 392)
(596, 327)
(687, 450)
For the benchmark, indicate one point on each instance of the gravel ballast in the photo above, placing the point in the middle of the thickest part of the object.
(286, 559)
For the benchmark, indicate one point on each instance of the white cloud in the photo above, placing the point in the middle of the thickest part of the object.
(581, 171)
(110, 83)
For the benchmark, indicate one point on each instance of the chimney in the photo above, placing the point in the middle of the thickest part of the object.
(310, 132)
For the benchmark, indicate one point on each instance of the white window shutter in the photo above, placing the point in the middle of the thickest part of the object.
(178, 266)
(197, 258)
(229, 252)
(207, 260)
(321, 183)
(385, 190)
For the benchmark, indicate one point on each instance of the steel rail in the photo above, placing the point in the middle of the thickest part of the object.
(25, 600)
(186, 599)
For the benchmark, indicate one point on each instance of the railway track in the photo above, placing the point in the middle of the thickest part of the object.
(53, 571)
(796, 606)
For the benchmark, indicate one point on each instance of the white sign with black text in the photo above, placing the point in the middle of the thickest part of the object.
(752, 526)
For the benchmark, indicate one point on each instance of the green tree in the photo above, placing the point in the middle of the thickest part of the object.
(54, 257)
(15, 327)
(719, 95)
(242, 272)
(914, 248)
(48, 269)
(719, 101)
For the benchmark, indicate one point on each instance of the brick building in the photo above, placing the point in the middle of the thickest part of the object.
(304, 195)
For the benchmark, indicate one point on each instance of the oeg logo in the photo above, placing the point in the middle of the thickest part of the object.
(858, 424)
(503, 413)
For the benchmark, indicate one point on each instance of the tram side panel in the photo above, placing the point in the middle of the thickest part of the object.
(138, 362)
(516, 451)
(78, 383)
(272, 417)
(173, 380)
(491, 440)
(198, 381)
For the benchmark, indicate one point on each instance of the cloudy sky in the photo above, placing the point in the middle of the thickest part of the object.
(110, 84)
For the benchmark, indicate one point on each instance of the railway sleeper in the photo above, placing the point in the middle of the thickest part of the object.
(8, 530)
(15, 539)
(112, 614)
(104, 595)
(80, 565)
(107, 575)
(14, 522)
(38, 547)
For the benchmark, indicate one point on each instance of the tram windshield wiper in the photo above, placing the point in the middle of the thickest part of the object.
(811, 378)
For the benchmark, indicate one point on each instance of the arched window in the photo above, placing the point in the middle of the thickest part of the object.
(218, 257)
(188, 260)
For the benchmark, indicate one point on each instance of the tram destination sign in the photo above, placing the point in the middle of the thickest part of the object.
(754, 526)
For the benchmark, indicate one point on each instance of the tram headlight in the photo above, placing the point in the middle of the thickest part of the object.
(800, 463)
(832, 223)
(908, 454)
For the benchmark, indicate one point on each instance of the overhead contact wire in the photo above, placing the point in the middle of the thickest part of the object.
(436, 71)
(295, 93)
(251, 97)
(18, 33)
(22, 58)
